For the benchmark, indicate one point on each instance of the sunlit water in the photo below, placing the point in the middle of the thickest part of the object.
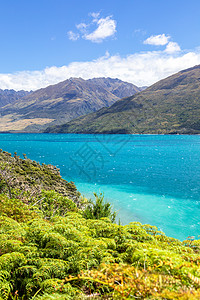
(153, 179)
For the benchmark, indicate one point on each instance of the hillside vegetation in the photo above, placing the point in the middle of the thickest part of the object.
(56, 245)
(170, 106)
(27, 179)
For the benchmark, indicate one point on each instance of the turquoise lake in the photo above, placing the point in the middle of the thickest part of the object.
(153, 179)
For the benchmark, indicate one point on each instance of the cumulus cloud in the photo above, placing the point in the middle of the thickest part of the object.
(73, 36)
(157, 40)
(172, 47)
(95, 15)
(104, 28)
(140, 68)
(82, 27)
(161, 40)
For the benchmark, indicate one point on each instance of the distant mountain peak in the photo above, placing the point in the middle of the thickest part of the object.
(10, 96)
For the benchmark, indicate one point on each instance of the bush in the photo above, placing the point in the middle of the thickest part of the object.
(99, 209)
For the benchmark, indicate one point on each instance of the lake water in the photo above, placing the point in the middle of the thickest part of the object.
(153, 179)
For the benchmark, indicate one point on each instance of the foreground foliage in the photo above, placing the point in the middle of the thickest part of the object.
(52, 249)
(99, 209)
(72, 256)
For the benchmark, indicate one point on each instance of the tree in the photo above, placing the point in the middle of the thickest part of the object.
(99, 209)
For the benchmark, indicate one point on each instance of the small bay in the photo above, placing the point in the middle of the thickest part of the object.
(152, 179)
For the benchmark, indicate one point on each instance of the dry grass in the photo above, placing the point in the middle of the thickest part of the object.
(11, 122)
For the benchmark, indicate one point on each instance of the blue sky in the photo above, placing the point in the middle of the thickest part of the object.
(140, 41)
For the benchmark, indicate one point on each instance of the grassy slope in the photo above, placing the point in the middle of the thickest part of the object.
(170, 106)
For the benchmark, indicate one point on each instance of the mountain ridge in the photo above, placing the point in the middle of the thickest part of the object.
(170, 106)
(8, 96)
(57, 104)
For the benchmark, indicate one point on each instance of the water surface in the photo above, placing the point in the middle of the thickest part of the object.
(149, 178)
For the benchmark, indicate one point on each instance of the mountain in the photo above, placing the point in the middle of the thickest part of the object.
(62, 102)
(117, 87)
(10, 96)
(170, 106)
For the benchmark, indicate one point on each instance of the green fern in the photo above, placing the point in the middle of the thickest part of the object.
(55, 296)
(5, 289)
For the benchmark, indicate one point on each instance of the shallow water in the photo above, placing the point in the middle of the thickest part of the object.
(154, 179)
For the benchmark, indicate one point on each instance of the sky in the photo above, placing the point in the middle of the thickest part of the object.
(43, 42)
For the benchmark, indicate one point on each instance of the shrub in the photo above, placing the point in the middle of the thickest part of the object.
(99, 209)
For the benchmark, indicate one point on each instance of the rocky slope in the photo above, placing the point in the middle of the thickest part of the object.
(10, 96)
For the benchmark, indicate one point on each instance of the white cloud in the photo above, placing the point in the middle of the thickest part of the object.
(172, 47)
(106, 28)
(82, 27)
(140, 68)
(73, 36)
(94, 15)
(157, 40)
(161, 40)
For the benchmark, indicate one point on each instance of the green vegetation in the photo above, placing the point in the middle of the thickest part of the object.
(54, 246)
(170, 106)
(26, 179)
(99, 209)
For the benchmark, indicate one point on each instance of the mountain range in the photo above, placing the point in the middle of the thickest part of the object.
(170, 106)
(10, 96)
(59, 103)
